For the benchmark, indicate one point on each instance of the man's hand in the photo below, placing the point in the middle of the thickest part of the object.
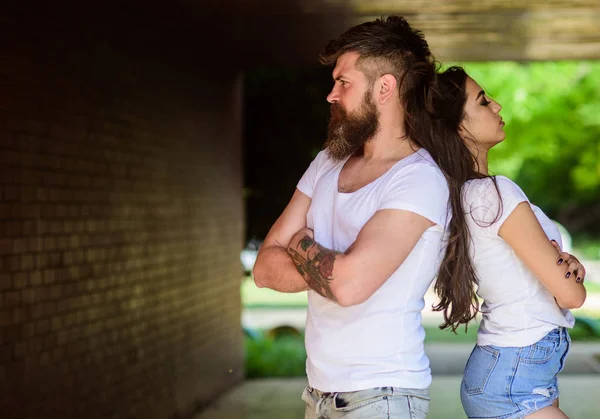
(575, 267)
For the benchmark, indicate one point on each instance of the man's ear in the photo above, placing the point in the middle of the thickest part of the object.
(386, 88)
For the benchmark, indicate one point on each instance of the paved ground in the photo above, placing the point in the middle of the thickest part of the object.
(280, 399)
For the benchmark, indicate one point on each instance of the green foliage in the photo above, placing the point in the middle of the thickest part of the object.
(434, 334)
(587, 247)
(586, 329)
(283, 357)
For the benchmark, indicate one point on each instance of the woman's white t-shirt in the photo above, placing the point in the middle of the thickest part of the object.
(517, 309)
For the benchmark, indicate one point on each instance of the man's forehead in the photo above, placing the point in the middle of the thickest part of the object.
(345, 64)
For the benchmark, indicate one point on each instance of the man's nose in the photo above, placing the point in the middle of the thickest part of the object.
(333, 96)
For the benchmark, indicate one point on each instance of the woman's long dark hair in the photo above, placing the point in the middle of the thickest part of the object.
(434, 111)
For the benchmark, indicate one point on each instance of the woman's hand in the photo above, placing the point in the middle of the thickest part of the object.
(575, 268)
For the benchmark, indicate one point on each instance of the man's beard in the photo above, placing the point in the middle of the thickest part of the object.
(348, 133)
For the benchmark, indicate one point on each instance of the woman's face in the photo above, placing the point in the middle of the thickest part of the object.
(482, 122)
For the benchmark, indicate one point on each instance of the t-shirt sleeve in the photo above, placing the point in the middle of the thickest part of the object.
(548, 225)
(308, 180)
(421, 189)
(491, 207)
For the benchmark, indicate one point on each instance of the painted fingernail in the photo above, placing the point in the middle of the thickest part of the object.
(578, 279)
(568, 274)
(560, 261)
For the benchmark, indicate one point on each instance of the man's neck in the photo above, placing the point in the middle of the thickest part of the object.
(390, 143)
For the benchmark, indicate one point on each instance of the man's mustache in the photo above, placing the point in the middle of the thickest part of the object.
(338, 114)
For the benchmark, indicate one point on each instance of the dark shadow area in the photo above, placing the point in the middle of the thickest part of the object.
(285, 125)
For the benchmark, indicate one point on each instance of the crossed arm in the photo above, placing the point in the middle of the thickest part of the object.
(523, 233)
(290, 260)
(274, 268)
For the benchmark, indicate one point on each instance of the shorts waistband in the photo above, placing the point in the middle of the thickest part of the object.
(377, 391)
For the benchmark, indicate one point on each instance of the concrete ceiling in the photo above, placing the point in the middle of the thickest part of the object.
(237, 34)
(459, 30)
(499, 30)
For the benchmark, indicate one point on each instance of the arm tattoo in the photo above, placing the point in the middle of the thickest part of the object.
(315, 264)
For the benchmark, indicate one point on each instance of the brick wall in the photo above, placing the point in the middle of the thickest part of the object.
(120, 231)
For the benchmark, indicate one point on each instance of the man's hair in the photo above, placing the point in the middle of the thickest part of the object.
(385, 46)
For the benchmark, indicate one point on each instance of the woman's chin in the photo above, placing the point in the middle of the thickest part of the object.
(500, 140)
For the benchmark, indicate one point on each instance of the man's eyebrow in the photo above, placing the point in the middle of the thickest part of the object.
(339, 77)
(480, 94)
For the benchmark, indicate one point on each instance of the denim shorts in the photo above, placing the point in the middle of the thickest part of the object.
(513, 382)
(373, 403)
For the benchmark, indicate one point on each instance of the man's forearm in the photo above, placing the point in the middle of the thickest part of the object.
(275, 269)
(315, 263)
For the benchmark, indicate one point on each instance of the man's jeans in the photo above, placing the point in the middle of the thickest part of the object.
(373, 403)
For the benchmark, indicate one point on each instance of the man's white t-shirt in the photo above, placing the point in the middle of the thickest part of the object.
(380, 342)
(517, 310)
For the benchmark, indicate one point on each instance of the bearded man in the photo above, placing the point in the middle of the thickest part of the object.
(363, 234)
